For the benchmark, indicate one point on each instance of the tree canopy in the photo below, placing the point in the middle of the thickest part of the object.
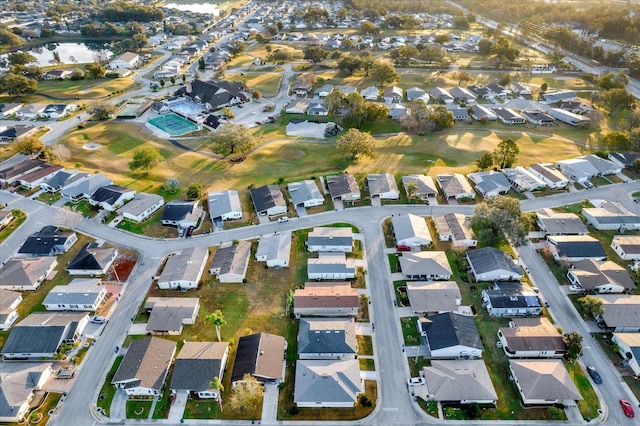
(384, 73)
(101, 111)
(145, 159)
(17, 84)
(232, 138)
(506, 153)
(315, 54)
(500, 216)
(247, 394)
(355, 144)
(194, 191)
(217, 320)
(29, 145)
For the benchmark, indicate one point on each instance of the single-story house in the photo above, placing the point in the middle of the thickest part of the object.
(611, 216)
(451, 336)
(460, 381)
(604, 166)
(327, 338)
(224, 205)
(343, 187)
(411, 230)
(435, 297)
(183, 271)
(621, 313)
(33, 178)
(11, 133)
(460, 94)
(141, 207)
(327, 383)
(523, 180)
(578, 169)
(9, 301)
(383, 186)
(481, 113)
(392, 94)
(323, 91)
(573, 248)
(301, 88)
(627, 246)
(441, 95)
(425, 265)
(268, 200)
(600, 277)
(305, 194)
(330, 266)
(82, 294)
(7, 110)
(330, 239)
(61, 179)
(84, 187)
(459, 113)
(275, 250)
(508, 116)
(18, 383)
(182, 214)
(491, 264)
(559, 96)
(48, 241)
(125, 60)
(538, 118)
(543, 381)
(40, 335)
(520, 89)
(510, 301)
(26, 274)
(553, 223)
(490, 183)
(261, 355)
(552, 177)
(144, 367)
(370, 93)
(168, 315)
(56, 111)
(629, 349)
(6, 217)
(230, 263)
(31, 111)
(92, 260)
(415, 93)
(298, 106)
(624, 159)
(455, 227)
(196, 365)
(531, 338)
(328, 299)
(455, 186)
(425, 187)
(111, 197)
(498, 91)
(317, 107)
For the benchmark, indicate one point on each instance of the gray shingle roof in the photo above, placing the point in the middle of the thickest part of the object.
(327, 336)
(146, 363)
(327, 381)
(451, 329)
(197, 364)
(490, 259)
(267, 196)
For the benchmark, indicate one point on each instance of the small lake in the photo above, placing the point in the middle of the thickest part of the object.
(206, 8)
(71, 53)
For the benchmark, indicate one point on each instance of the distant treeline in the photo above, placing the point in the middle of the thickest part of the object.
(125, 12)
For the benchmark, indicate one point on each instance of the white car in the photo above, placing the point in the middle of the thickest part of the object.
(283, 219)
(98, 320)
(575, 288)
(415, 381)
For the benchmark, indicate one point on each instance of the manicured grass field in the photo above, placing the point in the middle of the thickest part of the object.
(138, 409)
(266, 83)
(69, 89)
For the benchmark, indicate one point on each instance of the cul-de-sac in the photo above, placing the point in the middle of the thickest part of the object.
(319, 212)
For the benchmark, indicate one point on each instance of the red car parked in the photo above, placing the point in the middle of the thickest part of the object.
(403, 248)
(627, 408)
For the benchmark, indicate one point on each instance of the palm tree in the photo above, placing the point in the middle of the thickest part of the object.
(412, 190)
(217, 385)
(217, 320)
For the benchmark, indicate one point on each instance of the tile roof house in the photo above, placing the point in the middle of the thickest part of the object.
(275, 250)
(82, 294)
(573, 248)
(460, 381)
(626, 246)
(182, 213)
(92, 260)
(330, 239)
(455, 186)
(611, 216)
(523, 180)
(511, 301)
(600, 277)
(183, 271)
(26, 274)
(553, 223)
(305, 194)
(327, 338)
(451, 336)
(330, 266)
(411, 230)
(490, 183)
(18, 383)
(578, 169)
(268, 200)
(224, 205)
(455, 227)
(425, 265)
(48, 241)
(168, 315)
(141, 207)
(628, 345)
(435, 297)
(84, 187)
(383, 186)
(343, 187)
(196, 365)
(332, 299)
(213, 94)
(550, 175)
(144, 367)
(40, 335)
(621, 313)
(260, 355)
(531, 338)
(425, 186)
(543, 382)
(491, 264)
(9, 301)
(230, 263)
(327, 383)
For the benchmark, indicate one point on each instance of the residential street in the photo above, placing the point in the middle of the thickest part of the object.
(395, 406)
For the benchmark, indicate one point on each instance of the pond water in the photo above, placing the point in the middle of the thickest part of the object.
(70, 53)
(207, 8)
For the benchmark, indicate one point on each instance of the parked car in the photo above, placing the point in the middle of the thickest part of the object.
(98, 320)
(575, 288)
(283, 219)
(594, 375)
(627, 408)
(415, 381)
(403, 248)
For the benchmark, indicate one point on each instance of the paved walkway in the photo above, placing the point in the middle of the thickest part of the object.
(177, 407)
(118, 408)
(153, 407)
(270, 404)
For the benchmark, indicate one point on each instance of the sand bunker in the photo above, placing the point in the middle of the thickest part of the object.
(312, 129)
(91, 146)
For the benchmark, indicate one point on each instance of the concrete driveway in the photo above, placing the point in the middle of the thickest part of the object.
(118, 408)
(270, 403)
(177, 407)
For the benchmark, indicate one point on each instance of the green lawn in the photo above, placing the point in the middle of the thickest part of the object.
(590, 405)
(19, 217)
(410, 331)
(264, 82)
(49, 403)
(402, 297)
(108, 391)
(367, 364)
(365, 345)
(138, 409)
(69, 89)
